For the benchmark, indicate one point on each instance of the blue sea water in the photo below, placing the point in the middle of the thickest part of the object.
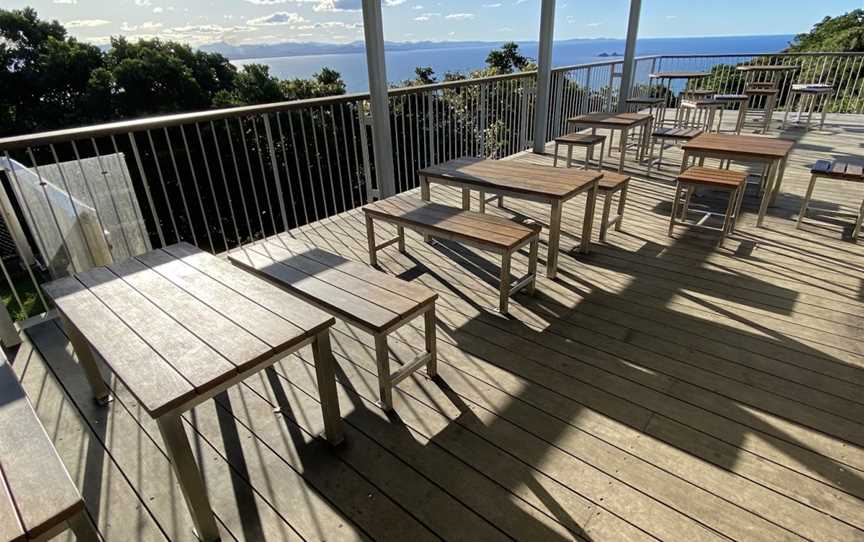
(401, 64)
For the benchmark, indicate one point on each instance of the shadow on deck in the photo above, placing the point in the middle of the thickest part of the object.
(659, 388)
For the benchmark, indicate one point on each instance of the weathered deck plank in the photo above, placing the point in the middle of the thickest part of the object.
(659, 389)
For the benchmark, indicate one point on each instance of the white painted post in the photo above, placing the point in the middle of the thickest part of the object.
(544, 74)
(373, 29)
(629, 55)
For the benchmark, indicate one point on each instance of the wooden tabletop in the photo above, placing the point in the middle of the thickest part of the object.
(611, 120)
(177, 322)
(516, 177)
(679, 75)
(741, 145)
(778, 68)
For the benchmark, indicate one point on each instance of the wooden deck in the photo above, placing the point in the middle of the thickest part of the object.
(658, 389)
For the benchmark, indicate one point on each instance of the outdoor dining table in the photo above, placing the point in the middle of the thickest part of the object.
(668, 77)
(625, 122)
(753, 71)
(769, 151)
(543, 184)
(178, 326)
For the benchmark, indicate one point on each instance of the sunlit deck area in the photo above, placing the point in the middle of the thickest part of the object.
(659, 388)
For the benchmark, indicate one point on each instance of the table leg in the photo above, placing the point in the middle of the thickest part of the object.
(623, 149)
(370, 241)
(588, 221)
(188, 476)
(325, 374)
(778, 181)
(466, 199)
(425, 192)
(554, 240)
(766, 195)
(100, 390)
(382, 359)
(684, 160)
(430, 322)
(481, 205)
(856, 231)
(83, 528)
(504, 286)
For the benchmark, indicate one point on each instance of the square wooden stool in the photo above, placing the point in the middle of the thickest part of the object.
(734, 182)
(609, 185)
(580, 139)
(839, 171)
(742, 100)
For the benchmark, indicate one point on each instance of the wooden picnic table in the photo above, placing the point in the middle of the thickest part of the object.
(177, 326)
(770, 151)
(624, 122)
(542, 184)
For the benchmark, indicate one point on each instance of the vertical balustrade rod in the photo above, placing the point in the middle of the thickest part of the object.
(225, 184)
(237, 177)
(73, 205)
(287, 172)
(297, 165)
(180, 186)
(197, 188)
(327, 159)
(162, 183)
(129, 191)
(268, 132)
(260, 156)
(53, 213)
(212, 187)
(146, 185)
(251, 176)
(102, 230)
(356, 153)
(339, 177)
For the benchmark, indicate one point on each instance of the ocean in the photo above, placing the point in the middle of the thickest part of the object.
(401, 64)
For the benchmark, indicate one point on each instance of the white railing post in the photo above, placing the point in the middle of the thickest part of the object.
(373, 29)
(544, 74)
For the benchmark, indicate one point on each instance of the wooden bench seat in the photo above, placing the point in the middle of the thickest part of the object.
(838, 171)
(38, 499)
(366, 298)
(732, 182)
(467, 227)
(580, 139)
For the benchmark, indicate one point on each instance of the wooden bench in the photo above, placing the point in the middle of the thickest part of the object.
(733, 182)
(664, 133)
(366, 298)
(38, 499)
(839, 171)
(580, 139)
(486, 232)
(609, 185)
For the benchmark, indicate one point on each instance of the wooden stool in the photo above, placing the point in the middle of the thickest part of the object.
(730, 99)
(655, 106)
(609, 185)
(734, 182)
(840, 171)
(816, 94)
(580, 139)
(662, 134)
(702, 110)
(766, 94)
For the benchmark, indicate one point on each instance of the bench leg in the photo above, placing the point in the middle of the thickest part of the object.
(370, 239)
(504, 287)
(569, 156)
(325, 375)
(430, 322)
(382, 359)
(554, 240)
(602, 148)
(400, 232)
(83, 528)
(466, 199)
(727, 220)
(188, 476)
(481, 205)
(533, 251)
(588, 221)
(100, 390)
(604, 220)
(622, 201)
(674, 208)
(806, 201)
(856, 231)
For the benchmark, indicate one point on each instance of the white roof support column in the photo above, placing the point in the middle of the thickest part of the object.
(373, 28)
(629, 54)
(544, 74)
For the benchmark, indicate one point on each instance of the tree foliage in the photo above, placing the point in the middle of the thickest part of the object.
(836, 34)
(51, 80)
(507, 59)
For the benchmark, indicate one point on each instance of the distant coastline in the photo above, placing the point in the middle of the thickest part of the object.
(304, 60)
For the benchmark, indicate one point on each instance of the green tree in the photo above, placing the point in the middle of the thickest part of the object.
(327, 82)
(836, 34)
(253, 85)
(507, 59)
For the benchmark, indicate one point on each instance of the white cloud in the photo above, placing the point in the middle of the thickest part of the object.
(495, 5)
(520, 2)
(71, 2)
(158, 9)
(421, 18)
(671, 16)
(459, 16)
(505, 29)
(593, 24)
(146, 26)
(142, 3)
(86, 23)
(266, 2)
(338, 5)
(328, 25)
(417, 7)
(278, 18)
(391, 3)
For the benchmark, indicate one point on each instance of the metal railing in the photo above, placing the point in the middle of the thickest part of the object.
(222, 178)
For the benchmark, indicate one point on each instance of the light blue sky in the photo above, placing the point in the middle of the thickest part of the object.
(270, 21)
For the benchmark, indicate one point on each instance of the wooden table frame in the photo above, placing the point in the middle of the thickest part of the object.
(168, 414)
(556, 204)
(646, 121)
(775, 167)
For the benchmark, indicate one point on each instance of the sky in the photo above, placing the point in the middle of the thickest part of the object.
(339, 21)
